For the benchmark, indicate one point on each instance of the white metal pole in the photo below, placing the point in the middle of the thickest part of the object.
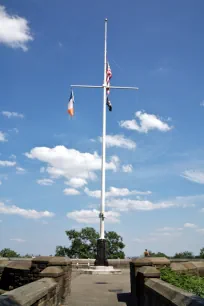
(103, 164)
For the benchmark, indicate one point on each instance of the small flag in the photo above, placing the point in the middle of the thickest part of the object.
(70, 108)
(108, 77)
(108, 103)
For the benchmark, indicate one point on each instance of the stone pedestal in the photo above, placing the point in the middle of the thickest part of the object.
(101, 257)
(101, 270)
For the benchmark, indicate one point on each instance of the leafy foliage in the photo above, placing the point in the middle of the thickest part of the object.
(8, 253)
(193, 284)
(84, 244)
(202, 253)
(159, 254)
(185, 254)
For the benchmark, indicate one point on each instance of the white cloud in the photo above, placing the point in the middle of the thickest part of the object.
(202, 210)
(0, 183)
(11, 115)
(144, 240)
(194, 176)
(2, 137)
(200, 230)
(190, 225)
(14, 30)
(26, 213)
(76, 182)
(6, 163)
(127, 168)
(119, 141)
(71, 191)
(147, 123)
(45, 182)
(18, 240)
(92, 216)
(202, 103)
(70, 163)
(115, 192)
(143, 205)
(169, 229)
(20, 170)
(12, 156)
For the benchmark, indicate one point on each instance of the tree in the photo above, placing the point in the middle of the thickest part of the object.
(8, 253)
(159, 254)
(83, 244)
(184, 255)
(202, 253)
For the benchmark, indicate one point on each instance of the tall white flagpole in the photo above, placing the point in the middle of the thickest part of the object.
(103, 164)
(101, 259)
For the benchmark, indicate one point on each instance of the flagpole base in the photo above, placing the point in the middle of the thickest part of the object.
(101, 259)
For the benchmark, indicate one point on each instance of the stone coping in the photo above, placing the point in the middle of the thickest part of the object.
(172, 293)
(52, 272)
(28, 294)
(151, 261)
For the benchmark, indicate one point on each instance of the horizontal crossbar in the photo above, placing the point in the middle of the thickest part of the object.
(102, 86)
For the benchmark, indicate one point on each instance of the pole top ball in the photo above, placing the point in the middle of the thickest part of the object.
(106, 19)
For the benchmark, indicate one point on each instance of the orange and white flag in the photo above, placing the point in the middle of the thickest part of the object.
(70, 108)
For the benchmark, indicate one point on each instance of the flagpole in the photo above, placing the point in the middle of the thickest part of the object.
(103, 164)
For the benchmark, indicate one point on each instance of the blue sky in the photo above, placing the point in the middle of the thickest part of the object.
(50, 164)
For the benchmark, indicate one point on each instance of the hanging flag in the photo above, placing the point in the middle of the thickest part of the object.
(70, 108)
(108, 103)
(108, 77)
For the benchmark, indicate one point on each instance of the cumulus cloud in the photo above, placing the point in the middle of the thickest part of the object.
(14, 30)
(127, 168)
(169, 229)
(71, 191)
(190, 225)
(70, 163)
(194, 176)
(45, 182)
(76, 182)
(115, 192)
(143, 205)
(18, 240)
(200, 230)
(6, 163)
(92, 216)
(26, 213)
(2, 137)
(119, 141)
(147, 122)
(11, 115)
(12, 156)
(20, 170)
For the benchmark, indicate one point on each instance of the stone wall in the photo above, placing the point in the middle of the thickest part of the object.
(43, 292)
(149, 290)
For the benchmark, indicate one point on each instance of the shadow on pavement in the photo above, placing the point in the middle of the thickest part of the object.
(126, 298)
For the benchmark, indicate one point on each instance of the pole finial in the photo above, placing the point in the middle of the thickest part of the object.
(106, 19)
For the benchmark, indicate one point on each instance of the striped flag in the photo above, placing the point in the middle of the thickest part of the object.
(70, 108)
(108, 103)
(108, 77)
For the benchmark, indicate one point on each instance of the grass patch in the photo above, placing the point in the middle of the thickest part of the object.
(193, 284)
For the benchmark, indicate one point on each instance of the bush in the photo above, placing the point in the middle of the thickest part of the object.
(193, 284)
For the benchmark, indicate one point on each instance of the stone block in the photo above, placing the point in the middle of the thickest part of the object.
(151, 261)
(59, 261)
(149, 272)
(31, 293)
(178, 267)
(52, 272)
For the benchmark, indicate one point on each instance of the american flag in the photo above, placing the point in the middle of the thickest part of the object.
(108, 77)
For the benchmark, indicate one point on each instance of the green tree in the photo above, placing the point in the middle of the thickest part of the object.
(158, 254)
(202, 253)
(8, 253)
(83, 244)
(185, 254)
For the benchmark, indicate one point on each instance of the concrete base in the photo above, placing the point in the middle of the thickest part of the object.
(99, 270)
